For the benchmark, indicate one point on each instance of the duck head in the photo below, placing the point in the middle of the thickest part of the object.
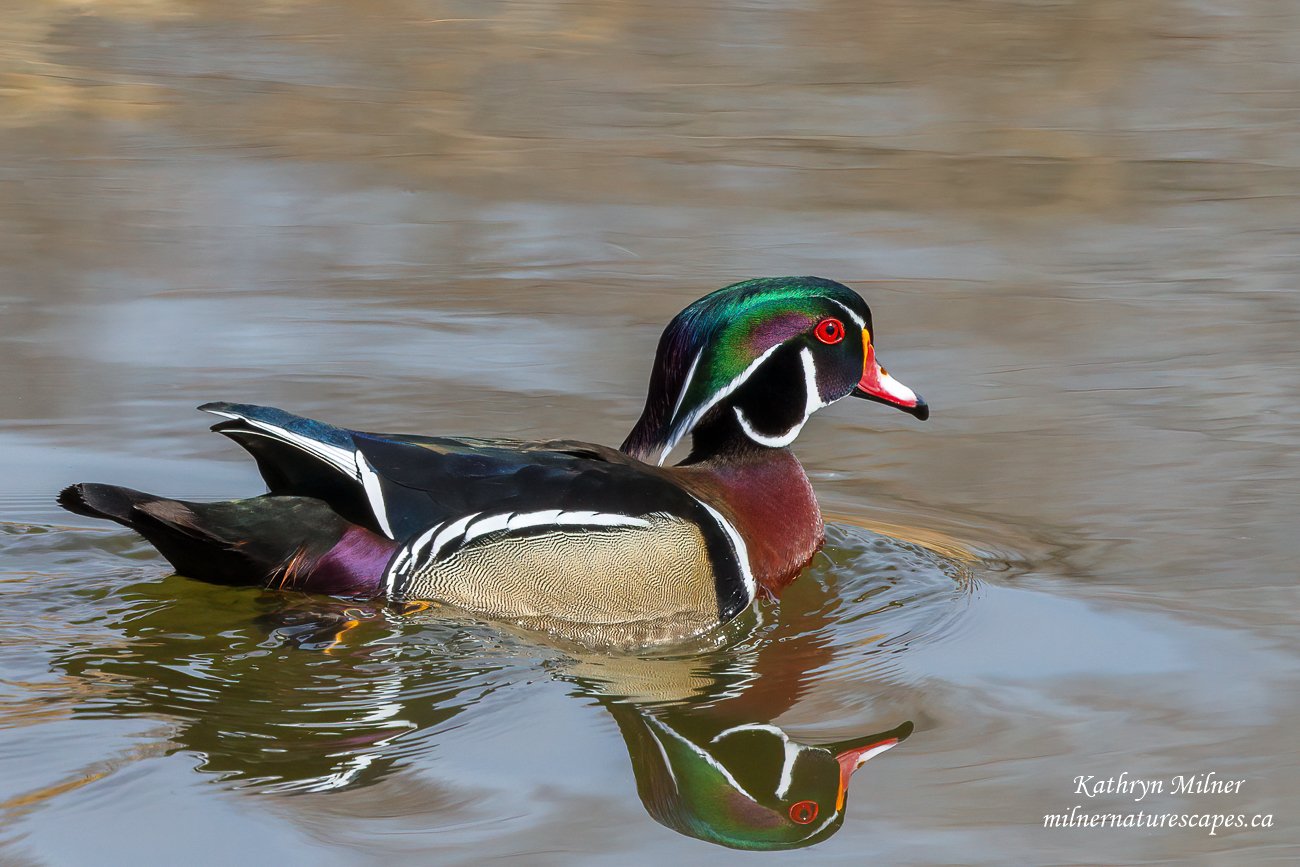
(747, 366)
(749, 786)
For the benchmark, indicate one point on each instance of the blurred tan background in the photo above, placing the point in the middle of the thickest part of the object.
(1076, 223)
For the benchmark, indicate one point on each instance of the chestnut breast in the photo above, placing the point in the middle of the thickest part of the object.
(768, 498)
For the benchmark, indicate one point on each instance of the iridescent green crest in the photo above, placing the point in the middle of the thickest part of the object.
(711, 347)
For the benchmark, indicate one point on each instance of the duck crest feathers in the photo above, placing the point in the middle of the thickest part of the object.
(716, 345)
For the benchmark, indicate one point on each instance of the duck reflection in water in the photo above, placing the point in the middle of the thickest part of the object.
(313, 698)
(747, 786)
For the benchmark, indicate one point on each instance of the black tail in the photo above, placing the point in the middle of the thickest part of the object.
(262, 540)
(100, 501)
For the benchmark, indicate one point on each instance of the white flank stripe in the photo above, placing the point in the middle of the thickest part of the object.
(532, 519)
(370, 481)
(552, 517)
(600, 519)
(399, 561)
(417, 547)
(490, 524)
(434, 542)
(453, 530)
(737, 547)
(395, 569)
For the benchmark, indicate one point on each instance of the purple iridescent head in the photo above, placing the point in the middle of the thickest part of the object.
(767, 353)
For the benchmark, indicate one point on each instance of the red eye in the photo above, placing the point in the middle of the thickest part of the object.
(829, 331)
(805, 811)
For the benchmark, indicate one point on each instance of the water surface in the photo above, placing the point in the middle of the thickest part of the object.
(1076, 223)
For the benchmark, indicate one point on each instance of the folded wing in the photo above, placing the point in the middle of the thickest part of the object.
(401, 485)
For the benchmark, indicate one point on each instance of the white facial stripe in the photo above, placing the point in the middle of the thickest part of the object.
(702, 754)
(370, 481)
(681, 428)
(812, 402)
(813, 395)
(775, 442)
(792, 750)
(668, 765)
(737, 546)
(686, 384)
(862, 323)
(815, 831)
(750, 727)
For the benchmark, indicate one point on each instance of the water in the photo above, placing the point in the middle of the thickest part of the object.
(1075, 223)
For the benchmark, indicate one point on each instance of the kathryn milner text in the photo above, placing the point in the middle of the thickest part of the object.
(1207, 783)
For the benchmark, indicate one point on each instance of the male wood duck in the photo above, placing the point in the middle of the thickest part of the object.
(749, 786)
(601, 546)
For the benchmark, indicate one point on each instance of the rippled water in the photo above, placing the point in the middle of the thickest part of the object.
(1075, 222)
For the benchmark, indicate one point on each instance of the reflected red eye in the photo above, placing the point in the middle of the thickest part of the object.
(805, 811)
(829, 331)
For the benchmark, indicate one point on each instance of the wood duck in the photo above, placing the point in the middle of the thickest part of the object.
(749, 786)
(601, 546)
